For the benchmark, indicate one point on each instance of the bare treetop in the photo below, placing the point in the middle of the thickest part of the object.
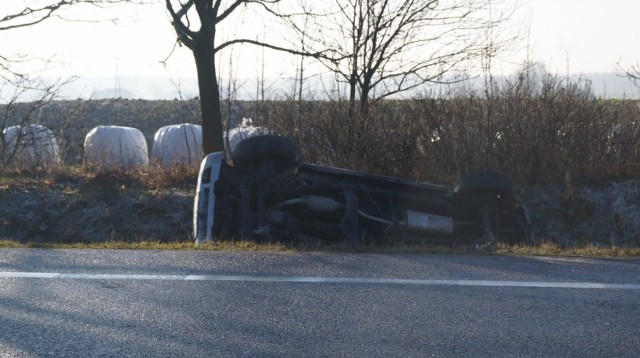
(392, 46)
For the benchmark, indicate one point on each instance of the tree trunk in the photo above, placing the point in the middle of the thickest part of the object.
(353, 82)
(212, 133)
(364, 98)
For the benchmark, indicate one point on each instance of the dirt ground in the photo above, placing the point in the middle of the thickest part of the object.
(94, 209)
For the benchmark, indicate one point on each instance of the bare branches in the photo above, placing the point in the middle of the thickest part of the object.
(22, 88)
(632, 73)
(38, 16)
(180, 22)
(34, 12)
(230, 9)
(29, 16)
(316, 54)
(394, 46)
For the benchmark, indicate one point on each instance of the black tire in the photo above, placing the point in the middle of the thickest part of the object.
(264, 147)
(492, 186)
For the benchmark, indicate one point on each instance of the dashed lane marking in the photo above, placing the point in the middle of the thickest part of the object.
(324, 280)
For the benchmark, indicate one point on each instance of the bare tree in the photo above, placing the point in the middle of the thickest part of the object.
(22, 95)
(33, 12)
(632, 73)
(208, 15)
(392, 46)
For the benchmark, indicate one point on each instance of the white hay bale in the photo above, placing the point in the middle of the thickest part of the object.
(115, 148)
(245, 130)
(31, 146)
(178, 144)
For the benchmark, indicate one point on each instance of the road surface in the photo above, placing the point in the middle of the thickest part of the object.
(120, 303)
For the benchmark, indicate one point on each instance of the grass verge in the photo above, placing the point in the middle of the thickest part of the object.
(550, 249)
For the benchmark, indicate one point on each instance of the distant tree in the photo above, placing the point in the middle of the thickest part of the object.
(186, 15)
(387, 47)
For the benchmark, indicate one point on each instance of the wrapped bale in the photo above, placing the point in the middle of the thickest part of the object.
(32, 146)
(245, 130)
(115, 148)
(178, 144)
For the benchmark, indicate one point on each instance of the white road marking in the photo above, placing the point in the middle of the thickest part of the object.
(324, 280)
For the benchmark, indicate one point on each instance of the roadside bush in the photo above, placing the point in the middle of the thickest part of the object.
(382, 141)
(535, 127)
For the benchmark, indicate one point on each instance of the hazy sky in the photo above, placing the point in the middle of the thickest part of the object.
(587, 35)
(593, 35)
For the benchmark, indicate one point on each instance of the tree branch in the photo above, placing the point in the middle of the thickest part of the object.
(32, 16)
(318, 55)
(185, 35)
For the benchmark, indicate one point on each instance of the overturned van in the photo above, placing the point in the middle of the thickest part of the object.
(267, 192)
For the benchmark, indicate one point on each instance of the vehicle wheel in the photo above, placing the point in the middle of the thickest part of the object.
(492, 186)
(264, 147)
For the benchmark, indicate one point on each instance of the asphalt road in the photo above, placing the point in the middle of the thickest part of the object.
(103, 303)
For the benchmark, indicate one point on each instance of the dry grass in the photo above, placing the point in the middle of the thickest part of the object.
(589, 250)
(548, 249)
(153, 245)
(76, 206)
